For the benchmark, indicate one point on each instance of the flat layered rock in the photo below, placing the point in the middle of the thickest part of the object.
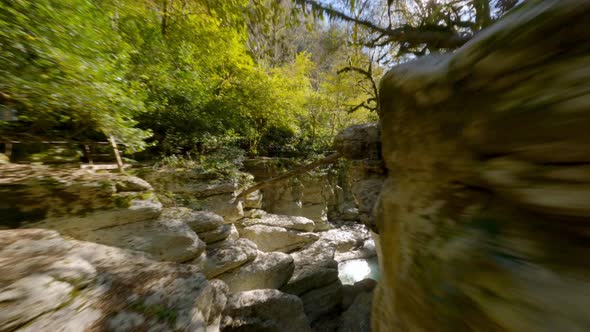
(164, 239)
(216, 235)
(228, 256)
(290, 222)
(315, 267)
(269, 270)
(322, 301)
(49, 283)
(270, 238)
(198, 221)
(266, 310)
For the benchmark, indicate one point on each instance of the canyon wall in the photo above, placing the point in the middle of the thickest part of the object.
(484, 218)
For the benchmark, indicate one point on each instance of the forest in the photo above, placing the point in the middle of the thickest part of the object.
(190, 77)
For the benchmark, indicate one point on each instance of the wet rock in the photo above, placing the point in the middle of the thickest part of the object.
(315, 267)
(264, 310)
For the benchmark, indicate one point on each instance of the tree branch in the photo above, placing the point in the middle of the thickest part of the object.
(435, 38)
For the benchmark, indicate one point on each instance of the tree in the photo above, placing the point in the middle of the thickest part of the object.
(417, 26)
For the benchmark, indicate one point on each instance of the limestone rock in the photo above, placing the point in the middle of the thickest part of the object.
(315, 267)
(350, 292)
(268, 270)
(224, 205)
(72, 201)
(215, 235)
(198, 221)
(48, 283)
(290, 222)
(450, 203)
(228, 256)
(322, 301)
(264, 310)
(269, 238)
(253, 200)
(136, 209)
(358, 316)
(164, 239)
(359, 142)
(132, 183)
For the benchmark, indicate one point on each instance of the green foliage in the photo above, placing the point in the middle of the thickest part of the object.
(63, 70)
(184, 78)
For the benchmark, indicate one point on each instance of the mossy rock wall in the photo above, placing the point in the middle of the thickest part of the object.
(484, 219)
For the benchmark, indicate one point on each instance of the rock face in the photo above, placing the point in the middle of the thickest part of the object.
(268, 270)
(360, 142)
(197, 191)
(72, 201)
(266, 310)
(48, 283)
(270, 238)
(304, 195)
(483, 220)
(167, 238)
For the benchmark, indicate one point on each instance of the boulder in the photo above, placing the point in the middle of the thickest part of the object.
(216, 235)
(350, 292)
(315, 267)
(198, 221)
(359, 142)
(322, 301)
(224, 205)
(268, 270)
(358, 316)
(269, 238)
(289, 222)
(228, 256)
(48, 283)
(132, 209)
(254, 213)
(253, 200)
(164, 239)
(4, 159)
(342, 239)
(266, 310)
(131, 183)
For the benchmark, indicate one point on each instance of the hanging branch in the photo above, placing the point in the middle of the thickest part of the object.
(436, 37)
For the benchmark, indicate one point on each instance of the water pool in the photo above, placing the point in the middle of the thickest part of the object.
(355, 270)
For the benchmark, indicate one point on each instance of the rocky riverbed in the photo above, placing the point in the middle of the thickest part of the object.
(100, 251)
